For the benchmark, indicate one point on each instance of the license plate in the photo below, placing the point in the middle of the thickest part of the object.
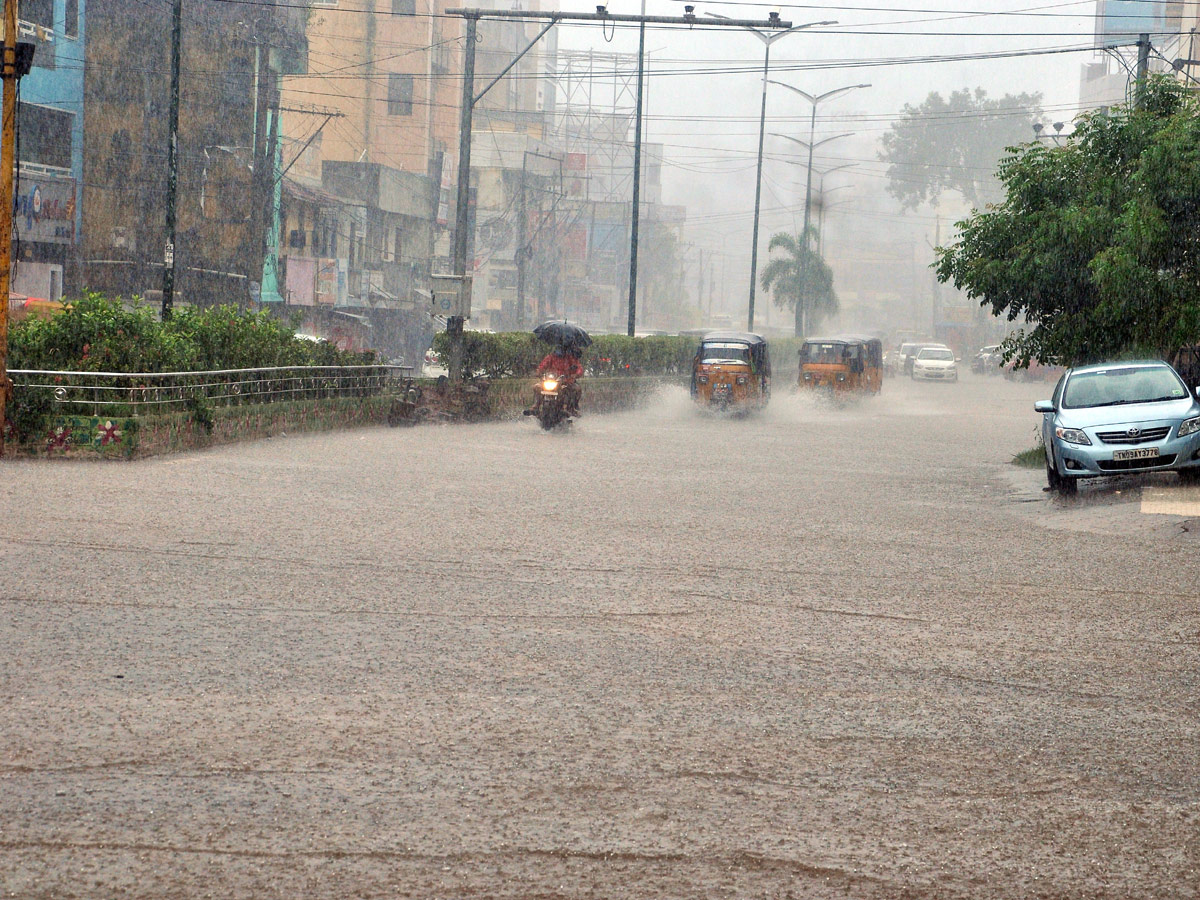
(1145, 453)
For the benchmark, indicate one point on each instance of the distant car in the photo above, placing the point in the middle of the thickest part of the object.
(987, 360)
(1120, 417)
(934, 364)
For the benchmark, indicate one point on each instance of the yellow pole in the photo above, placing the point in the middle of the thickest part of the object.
(7, 164)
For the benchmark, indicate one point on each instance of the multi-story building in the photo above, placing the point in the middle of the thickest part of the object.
(48, 202)
(231, 59)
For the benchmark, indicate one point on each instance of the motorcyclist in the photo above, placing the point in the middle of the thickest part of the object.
(563, 362)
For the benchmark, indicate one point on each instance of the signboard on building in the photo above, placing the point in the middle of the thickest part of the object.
(44, 210)
(332, 278)
(1121, 21)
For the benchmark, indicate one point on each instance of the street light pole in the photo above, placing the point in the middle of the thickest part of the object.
(812, 144)
(768, 40)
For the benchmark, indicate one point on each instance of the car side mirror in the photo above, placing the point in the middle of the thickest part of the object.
(1043, 406)
(1198, 391)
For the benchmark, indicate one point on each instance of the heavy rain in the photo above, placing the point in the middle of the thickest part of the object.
(773, 474)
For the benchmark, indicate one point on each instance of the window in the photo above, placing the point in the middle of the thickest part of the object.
(71, 18)
(404, 7)
(38, 12)
(45, 135)
(400, 95)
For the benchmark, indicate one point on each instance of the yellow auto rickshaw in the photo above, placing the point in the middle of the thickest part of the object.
(731, 372)
(843, 366)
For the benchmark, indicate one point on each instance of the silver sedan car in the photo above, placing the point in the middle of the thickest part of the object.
(1120, 417)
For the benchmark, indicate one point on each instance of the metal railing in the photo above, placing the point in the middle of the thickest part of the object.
(139, 393)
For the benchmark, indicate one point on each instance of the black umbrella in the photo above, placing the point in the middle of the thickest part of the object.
(564, 334)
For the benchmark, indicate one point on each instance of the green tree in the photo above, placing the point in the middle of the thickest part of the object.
(954, 144)
(800, 280)
(1094, 247)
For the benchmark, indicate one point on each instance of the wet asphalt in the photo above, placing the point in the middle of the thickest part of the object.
(819, 652)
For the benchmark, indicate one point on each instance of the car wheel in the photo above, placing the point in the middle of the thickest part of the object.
(1058, 483)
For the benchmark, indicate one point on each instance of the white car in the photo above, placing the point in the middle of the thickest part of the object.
(935, 364)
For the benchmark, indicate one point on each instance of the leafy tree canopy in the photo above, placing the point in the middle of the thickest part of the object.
(800, 279)
(954, 144)
(1095, 244)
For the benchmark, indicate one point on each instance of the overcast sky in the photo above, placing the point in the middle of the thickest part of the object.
(705, 89)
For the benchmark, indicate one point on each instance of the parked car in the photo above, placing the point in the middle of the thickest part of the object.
(1120, 417)
(987, 360)
(934, 364)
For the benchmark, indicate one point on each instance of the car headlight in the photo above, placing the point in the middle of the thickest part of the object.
(1071, 435)
(1189, 426)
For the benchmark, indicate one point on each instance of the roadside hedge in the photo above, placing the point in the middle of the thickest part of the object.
(517, 354)
(102, 334)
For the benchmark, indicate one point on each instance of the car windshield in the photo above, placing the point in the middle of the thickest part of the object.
(936, 353)
(1118, 386)
(906, 349)
(716, 353)
(827, 352)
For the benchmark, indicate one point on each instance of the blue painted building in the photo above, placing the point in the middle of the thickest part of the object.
(50, 143)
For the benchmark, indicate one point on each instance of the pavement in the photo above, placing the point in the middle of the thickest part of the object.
(813, 653)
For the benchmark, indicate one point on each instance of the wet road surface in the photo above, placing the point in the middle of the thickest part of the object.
(815, 653)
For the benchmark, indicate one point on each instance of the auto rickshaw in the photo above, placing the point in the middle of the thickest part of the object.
(844, 366)
(731, 372)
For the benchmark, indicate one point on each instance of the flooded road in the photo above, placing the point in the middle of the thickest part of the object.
(814, 653)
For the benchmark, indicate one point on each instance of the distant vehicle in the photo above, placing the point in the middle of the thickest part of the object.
(908, 352)
(843, 366)
(731, 372)
(934, 364)
(1120, 417)
(987, 360)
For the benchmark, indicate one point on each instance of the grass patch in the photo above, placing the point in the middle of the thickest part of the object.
(1033, 458)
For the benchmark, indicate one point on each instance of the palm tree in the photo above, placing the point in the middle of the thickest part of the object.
(801, 280)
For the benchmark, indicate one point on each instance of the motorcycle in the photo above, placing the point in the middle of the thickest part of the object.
(552, 411)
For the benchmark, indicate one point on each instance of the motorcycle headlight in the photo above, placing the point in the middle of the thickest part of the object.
(741, 379)
(1071, 435)
(549, 384)
(1189, 426)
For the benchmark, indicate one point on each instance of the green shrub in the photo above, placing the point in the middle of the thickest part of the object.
(518, 354)
(101, 334)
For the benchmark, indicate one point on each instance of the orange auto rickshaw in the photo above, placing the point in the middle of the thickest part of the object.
(731, 372)
(843, 366)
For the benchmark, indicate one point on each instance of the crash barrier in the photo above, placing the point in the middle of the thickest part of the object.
(79, 422)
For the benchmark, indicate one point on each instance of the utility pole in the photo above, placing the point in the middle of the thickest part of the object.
(637, 180)
(168, 282)
(8, 162)
(454, 325)
(1143, 69)
(522, 245)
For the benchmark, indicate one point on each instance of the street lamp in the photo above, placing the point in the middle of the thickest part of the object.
(768, 40)
(810, 143)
